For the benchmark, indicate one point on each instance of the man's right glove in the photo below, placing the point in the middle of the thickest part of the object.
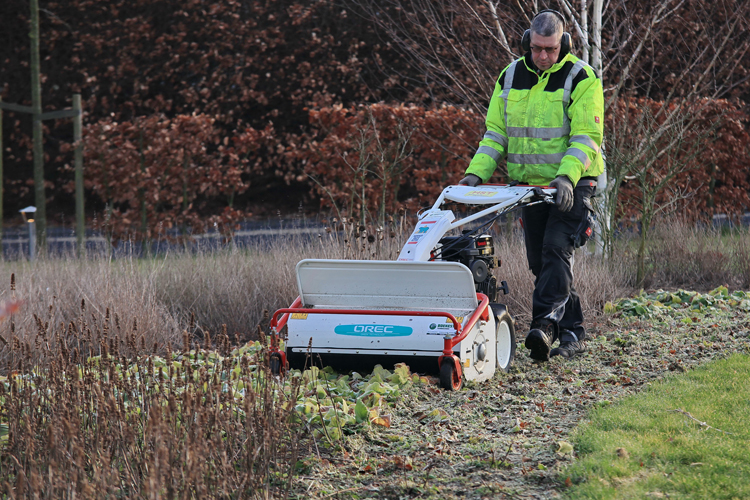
(564, 199)
(470, 180)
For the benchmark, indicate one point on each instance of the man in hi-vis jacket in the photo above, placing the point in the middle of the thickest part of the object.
(546, 119)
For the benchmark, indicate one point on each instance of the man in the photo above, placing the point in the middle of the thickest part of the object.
(546, 118)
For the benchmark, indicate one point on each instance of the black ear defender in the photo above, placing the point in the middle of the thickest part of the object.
(565, 40)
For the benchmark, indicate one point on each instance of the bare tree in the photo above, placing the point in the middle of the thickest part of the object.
(676, 52)
(650, 156)
(699, 71)
(458, 47)
(388, 165)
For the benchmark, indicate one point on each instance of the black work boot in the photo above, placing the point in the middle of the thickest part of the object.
(539, 343)
(568, 349)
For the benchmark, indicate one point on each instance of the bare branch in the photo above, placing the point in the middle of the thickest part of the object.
(695, 89)
(637, 53)
(523, 10)
(700, 423)
(620, 51)
(719, 51)
(502, 40)
(583, 35)
(670, 13)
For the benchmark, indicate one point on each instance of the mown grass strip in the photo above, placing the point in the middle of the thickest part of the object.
(685, 437)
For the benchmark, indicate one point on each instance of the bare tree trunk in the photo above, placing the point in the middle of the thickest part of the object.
(604, 188)
(596, 38)
(640, 258)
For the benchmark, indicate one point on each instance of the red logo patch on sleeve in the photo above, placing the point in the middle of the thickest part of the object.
(596, 119)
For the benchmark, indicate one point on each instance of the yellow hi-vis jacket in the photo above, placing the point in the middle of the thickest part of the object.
(545, 125)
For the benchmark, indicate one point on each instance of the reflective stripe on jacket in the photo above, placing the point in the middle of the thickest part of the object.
(546, 125)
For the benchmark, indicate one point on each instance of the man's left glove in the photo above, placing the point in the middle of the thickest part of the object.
(564, 199)
(470, 180)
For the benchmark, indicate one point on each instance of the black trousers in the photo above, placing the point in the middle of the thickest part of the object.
(548, 234)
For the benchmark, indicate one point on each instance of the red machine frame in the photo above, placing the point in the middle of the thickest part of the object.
(481, 312)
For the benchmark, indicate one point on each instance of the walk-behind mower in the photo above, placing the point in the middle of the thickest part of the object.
(437, 302)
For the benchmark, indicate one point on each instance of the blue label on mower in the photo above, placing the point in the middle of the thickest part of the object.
(373, 330)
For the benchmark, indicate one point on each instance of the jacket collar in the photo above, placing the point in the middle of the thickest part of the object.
(529, 62)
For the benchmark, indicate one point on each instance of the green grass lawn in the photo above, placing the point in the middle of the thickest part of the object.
(642, 448)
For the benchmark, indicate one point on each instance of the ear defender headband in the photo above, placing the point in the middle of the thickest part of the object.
(564, 40)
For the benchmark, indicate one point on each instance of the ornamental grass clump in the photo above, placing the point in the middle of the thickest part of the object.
(53, 291)
(139, 303)
(189, 424)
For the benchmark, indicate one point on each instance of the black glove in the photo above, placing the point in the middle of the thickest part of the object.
(564, 199)
(470, 180)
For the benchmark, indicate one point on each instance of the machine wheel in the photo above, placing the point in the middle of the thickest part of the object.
(505, 339)
(274, 363)
(446, 377)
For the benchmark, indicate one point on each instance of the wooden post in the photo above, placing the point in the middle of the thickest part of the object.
(1, 178)
(36, 104)
(142, 198)
(78, 159)
(185, 204)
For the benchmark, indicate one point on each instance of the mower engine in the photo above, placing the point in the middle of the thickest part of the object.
(477, 252)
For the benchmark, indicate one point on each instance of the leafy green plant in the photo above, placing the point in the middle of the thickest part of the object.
(334, 405)
(660, 303)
